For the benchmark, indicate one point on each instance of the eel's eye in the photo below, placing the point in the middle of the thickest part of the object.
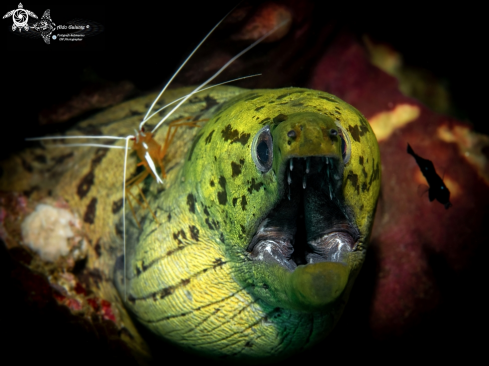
(262, 150)
(345, 143)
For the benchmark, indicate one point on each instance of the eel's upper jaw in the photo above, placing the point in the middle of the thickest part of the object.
(311, 223)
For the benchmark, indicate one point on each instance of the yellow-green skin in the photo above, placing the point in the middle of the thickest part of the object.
(189, 277)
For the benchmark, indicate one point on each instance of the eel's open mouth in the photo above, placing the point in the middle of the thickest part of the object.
(311, 223)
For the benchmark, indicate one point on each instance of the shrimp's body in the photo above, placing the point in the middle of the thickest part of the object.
(150, 151)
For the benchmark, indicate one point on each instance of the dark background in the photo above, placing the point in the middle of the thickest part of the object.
(144, 43)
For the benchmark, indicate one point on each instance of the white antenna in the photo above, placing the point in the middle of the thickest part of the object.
(73, 137)
(181, 66)
(198, 91)
(215, 75)
(124, 214)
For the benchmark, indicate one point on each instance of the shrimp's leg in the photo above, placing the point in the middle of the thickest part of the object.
(138, 178)
(147, 205)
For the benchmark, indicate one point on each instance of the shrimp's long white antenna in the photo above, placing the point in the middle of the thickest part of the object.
(91, 145)
(215, 75)
(73, 137)
(198, 91)
(124, 214)
(181, 66)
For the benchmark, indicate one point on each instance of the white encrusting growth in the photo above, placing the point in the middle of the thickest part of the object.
(47, 230)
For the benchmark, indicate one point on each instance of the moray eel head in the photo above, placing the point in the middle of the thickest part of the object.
(271, 211)
(297, 178)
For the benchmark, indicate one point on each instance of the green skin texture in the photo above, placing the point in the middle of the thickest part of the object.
(218, 189)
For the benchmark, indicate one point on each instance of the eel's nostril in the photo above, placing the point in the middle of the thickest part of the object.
(291, 133)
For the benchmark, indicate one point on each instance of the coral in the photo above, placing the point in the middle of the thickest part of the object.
(47, 230)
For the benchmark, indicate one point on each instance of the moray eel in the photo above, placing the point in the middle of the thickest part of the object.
(263, 225)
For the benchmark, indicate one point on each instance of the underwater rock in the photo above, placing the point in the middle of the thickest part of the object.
(263, 20)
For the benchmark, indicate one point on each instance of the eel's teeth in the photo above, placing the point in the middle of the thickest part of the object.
(288, 195)
(304, 182)
(336, 176)
(291, 166)
(289, 179)
(327, 161)
(307, 165)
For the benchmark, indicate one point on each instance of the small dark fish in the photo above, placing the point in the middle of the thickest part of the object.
(438, 189)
